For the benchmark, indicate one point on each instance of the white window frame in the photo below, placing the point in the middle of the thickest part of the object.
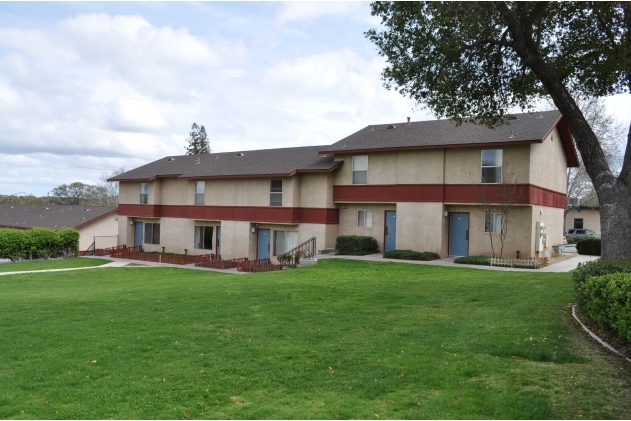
(360, 169)
(493, 223)
(144, 193)
(151, 230)
(498, 159)
(364, 218)
(200, 190)
(200, 236)
(275, 193)
(284, 241)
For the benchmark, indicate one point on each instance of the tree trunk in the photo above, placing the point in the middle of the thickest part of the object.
(614, 193)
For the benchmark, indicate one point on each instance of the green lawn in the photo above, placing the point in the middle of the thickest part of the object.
(341, 339)
(78, 262)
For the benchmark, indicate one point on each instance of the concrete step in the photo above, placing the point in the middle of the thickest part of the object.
(327, 251)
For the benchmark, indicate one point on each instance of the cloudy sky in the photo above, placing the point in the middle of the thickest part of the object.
(89, 87)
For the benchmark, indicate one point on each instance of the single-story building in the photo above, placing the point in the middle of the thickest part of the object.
(94, 223)
(583, 217)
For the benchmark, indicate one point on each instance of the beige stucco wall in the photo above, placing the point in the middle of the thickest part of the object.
(128, 192)
(246, 192)
(591, 219)
(406, 167)
(315, 190)
(348, 220)
(553, 218)
(218, 192)
(548, 164)
(464, 166)
(420, 226)
(104, 227)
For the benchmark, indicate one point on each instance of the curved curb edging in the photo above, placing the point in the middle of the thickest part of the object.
(593, 335)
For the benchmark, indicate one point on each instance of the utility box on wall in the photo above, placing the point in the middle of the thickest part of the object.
(541, 236)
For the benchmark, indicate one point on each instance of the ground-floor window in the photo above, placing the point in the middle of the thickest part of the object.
(152, 233)
(204, 237)
(493, 223)
(578, 223)
(284, 241)
(364, 218)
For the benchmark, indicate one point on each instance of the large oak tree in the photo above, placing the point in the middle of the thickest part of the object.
(481, 59)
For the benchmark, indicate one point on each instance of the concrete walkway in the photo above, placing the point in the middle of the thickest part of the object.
(563, 266)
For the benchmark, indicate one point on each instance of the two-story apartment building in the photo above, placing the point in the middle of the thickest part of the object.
(413, 185)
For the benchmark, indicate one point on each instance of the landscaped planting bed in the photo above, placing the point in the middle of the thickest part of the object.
(340, 339)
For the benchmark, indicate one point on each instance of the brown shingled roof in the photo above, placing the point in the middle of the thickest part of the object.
(520, 128)
(264, 162)
(51, 216)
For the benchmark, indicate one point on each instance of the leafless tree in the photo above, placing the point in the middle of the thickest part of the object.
(110, 187)
(499, 199)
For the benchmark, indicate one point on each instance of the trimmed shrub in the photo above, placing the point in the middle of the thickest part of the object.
(474, 260)
(42, 243)
(572, 239)
(607, 301)
(598, 267)
(589, 246)
(356, 245)
(410, 255)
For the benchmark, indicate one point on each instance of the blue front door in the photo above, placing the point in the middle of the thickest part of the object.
(138, 236)
(390, 242)
(263, 244)
(218, 242)
(458, 234)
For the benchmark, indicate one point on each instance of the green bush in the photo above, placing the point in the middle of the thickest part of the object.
(598, 267)
(40, 243)
(589, 246)
(573, 239)
(607, 301)
(474, 260)
(410, 255)
(356, 245)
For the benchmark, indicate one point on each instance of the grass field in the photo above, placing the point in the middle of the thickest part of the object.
(341, 339)
(51, 264)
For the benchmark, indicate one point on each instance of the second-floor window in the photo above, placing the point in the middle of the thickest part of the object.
(152, 233)
(144, 193)
(364, 218)
(276, 193)
(200, 189)
(360, 169)
(492, 166)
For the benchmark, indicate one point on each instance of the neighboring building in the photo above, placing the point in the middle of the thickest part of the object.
(410, 185)
(583, 217)
(92, 222)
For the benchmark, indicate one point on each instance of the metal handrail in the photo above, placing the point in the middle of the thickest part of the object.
(305, 250)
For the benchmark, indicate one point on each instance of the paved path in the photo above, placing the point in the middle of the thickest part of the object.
(564, 266)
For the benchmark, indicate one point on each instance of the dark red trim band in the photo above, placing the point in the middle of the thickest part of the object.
(447, 193)
(235, 213)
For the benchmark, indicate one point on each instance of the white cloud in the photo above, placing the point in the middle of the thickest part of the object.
(126, 114)
(304, 11)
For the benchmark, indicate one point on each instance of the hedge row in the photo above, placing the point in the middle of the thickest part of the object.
(474, 260)
(598, 267)
(589, 246)
(607, 301)
(410, 255)
(38, 243)
(356, 245)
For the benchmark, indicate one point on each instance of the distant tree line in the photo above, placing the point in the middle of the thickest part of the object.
(103, 193)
